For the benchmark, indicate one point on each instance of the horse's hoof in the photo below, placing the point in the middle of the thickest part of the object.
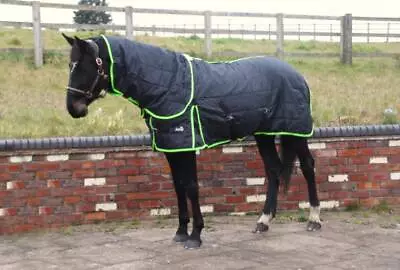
(181, 237)
(192, 243)
(260, 228)
(313, 226)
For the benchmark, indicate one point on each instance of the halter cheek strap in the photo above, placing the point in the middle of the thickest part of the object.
(100, 74)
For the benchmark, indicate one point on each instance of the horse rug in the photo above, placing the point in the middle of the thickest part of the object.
(191, 104)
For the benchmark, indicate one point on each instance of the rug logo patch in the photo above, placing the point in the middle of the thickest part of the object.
(179, 129)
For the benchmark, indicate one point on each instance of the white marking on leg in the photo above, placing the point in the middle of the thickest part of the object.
(314, 214)
(265, 219)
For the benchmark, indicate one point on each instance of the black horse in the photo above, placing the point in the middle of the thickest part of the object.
(190, 104)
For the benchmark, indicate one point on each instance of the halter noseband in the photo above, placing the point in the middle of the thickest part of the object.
(100, 74)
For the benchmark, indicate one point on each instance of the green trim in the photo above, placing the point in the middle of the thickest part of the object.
(233, 61)
(165, 117)
(218, 143)
(192, 126)
(286, 133)
(200, 126)
(115, 91)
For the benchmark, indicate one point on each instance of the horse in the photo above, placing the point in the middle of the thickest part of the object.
(190, 104)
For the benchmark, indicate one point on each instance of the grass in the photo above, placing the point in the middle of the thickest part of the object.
(32, 101)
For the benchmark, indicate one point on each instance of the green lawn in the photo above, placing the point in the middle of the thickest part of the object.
(32, 101)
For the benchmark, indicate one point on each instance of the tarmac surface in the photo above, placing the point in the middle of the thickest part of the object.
(348, 240)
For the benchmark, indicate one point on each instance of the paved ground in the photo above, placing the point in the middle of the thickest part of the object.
(356, 240)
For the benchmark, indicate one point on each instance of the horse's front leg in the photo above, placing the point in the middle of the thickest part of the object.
(174, 163)
(184, 171)
(273, 167)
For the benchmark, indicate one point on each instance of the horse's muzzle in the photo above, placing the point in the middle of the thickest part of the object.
(77, 110)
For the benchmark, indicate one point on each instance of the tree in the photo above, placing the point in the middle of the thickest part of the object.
(92, 16)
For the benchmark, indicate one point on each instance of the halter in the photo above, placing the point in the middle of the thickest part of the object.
(100, 74)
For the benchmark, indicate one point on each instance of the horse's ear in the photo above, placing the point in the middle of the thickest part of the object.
(82, 44)
(70, 40)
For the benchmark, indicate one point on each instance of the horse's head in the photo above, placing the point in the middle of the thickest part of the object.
(87, 79)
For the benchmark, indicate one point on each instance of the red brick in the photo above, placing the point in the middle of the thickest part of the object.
(235, 199)
(5, 177)
(134, 204)
(44, 210)
(128, 171)
(214, 200)
(42, 175)
(110, 163)
(85, 208)
(224, 208)
(83, 173)
(72, 199)
(379, 193)
(140, 162)
(254, 165)
(379, 176)
(116, 180)
(35, 166)
(297, 197)
(387, 151)
(149, 204)
(130, 187)
(14, 168)
(72, 219)
(355, 152)
(61, 192)
(71, 165)
(358, 177)
(247, 190)
(88, 164)
(167, 186)
(221, 191)
(340, 194)
(122, 155)
(33, 201)
(358, 160)
(43, 192)
(361, 194)
(53, 183)
(325, 153)
(116, 215)
(18, 184)
(11, 211)
(247, 207)
(394, 159)
(95, 216)
(149, 195)
(139, 178)
(369, 202)
(21, 228)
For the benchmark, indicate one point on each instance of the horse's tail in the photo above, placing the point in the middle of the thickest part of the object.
(288, 155)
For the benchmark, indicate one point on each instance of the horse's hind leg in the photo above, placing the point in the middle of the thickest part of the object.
(307, 167)
(184, 171)
(273, 168)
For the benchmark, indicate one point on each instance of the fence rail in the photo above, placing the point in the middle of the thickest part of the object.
(346, 32)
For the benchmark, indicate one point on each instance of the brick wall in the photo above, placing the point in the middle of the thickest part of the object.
(55, 188)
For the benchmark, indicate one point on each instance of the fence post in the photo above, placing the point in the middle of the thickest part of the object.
(387, 32)
(279, 35)
(37, 35)
(128, 22)
(346, 40)
(207, 33)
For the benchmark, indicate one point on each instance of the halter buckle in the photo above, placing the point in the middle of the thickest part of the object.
(99, 62)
